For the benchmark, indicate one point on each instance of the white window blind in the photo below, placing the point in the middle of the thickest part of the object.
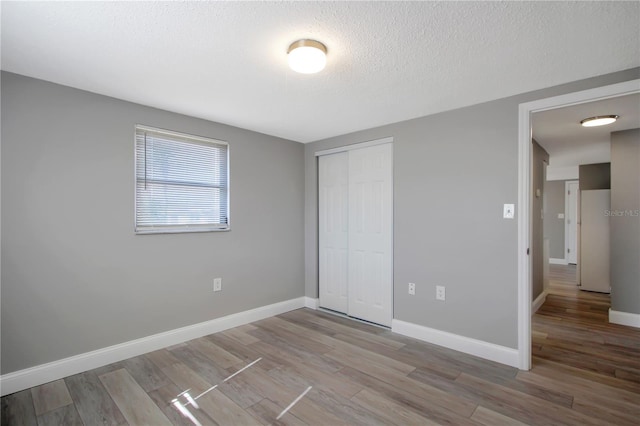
(181, 182)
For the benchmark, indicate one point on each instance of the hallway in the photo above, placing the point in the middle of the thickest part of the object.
(575, 346)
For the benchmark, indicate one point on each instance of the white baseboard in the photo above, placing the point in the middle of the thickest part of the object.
(479, 348)
(44, 373)
(624, 318)
(538, 302)
(310, 302)
(553, 261)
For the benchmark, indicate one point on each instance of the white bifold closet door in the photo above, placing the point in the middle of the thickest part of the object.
(356, 233)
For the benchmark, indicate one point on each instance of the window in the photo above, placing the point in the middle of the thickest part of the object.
(182, 182)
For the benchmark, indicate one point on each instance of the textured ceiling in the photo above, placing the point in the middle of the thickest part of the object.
(569, 144)
(387, 61)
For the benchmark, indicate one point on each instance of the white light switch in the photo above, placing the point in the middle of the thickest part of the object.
(560, 215)
(509, 211)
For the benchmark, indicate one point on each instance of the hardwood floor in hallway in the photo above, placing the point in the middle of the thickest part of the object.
(585, 372)
(572, 331)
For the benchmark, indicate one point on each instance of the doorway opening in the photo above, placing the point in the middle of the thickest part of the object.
(525, 193)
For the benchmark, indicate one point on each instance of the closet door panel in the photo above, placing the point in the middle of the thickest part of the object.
(370, 236)
(333, 190)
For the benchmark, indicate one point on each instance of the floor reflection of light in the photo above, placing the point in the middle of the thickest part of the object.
(185, 412)
(295, 401)
(192, 401)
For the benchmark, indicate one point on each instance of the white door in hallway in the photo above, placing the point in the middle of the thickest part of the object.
(333, 230)
(355, 232)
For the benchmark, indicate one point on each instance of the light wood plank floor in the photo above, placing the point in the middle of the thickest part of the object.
(585, 373)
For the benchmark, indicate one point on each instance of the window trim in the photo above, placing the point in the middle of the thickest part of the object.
(179, 229)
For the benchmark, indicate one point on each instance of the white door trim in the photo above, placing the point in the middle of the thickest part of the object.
(566, 216)
(524, 194)
(355, 146)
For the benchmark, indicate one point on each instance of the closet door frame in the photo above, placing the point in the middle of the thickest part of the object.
(382, 141)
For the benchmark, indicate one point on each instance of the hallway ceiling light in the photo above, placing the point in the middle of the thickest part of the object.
(307, 56)
(599, 120)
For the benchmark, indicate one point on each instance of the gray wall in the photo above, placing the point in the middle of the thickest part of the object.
(554, 227)
(76, 278)
(539, 160)
(625, 228)
(453, 171)
(595, 176)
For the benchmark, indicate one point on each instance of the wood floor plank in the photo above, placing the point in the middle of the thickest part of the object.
(50, 396)
(107, 368)
(286, 353)
(590, 379)
(619, 356)
(523, 407)
(186, 379)
(224, 411)
(533, 389)
(345, 409)
(488, 417)
(337, 340)
(349, 327)
(240, 335)
(399, 380)
(311, 413)
(367, 356)
(312, 377)
(17, 409)
(392, 412)
(342, 341)
(628, 374)
(66, 415)
(451, 411)
(145, 373)
(214, 352)
(606, 413)
(136, 406)
(162, 358)
(320, 317)
(163, 398)
(244, 352)
(600, 395)
(332, 338)
(200, 364)
(92, 401)
(241, 393)
(300, 318)
(458, 361)
(266, 386)
(267, 411)
(301, 379)
(302, 341)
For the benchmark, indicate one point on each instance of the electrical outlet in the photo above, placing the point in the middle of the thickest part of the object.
(217, 284)
(412, 289)
(440, 292)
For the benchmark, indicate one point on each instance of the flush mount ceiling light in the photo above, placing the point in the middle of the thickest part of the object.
(307, 56)
(599, 120)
